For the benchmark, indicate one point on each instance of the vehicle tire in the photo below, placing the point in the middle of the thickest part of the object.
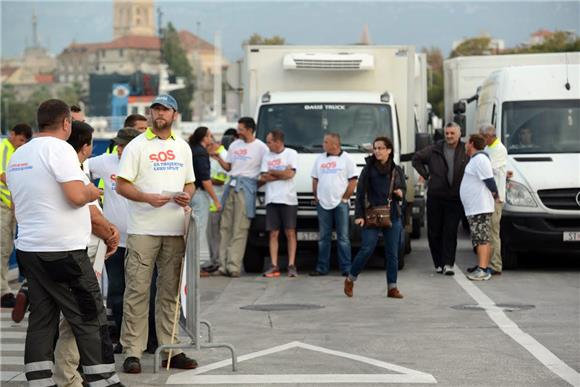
(416, 228)
(403, 246)
(401, 260)
(509, 258)
(254, 259)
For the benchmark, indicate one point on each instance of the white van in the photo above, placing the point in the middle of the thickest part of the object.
(536, 110)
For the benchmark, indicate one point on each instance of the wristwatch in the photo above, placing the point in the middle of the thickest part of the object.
(344, 200)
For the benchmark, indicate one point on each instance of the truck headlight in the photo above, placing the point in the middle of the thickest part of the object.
(518, 195)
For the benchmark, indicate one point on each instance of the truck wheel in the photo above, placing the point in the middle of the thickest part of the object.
(416, 228)
(404, 248)
(509, 257)
(253, 259)
(401, 260)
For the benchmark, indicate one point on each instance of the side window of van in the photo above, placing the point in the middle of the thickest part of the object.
(493, 115)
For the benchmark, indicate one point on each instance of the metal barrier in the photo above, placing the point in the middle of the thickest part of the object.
(192, 321)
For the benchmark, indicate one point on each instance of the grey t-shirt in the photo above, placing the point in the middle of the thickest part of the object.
(449, 154)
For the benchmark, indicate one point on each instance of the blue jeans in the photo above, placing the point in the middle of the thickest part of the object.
(325, 220)
(370, 236)
(200, 206)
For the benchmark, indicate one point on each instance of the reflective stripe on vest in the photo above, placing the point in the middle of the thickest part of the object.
(6, 151)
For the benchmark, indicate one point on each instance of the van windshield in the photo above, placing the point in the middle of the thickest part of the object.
(541, 126)
(304, 125)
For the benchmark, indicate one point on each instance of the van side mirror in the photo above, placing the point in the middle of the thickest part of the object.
(438, 135)
(422, 140)
(459, 107)
(459, 119)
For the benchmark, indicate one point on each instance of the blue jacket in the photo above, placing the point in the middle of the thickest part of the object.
(249, 186)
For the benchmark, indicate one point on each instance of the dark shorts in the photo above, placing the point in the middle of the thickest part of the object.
(280, 216)
(480, 227)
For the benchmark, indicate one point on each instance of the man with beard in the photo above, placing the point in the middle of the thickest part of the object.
(156, 175)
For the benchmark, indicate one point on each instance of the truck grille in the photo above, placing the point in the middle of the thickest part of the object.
(561, 199)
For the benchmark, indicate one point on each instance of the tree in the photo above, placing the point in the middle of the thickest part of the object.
(70, 94)
(472, 46)
(559, 41)
(257, 39)
(174, 55)
(435, 79)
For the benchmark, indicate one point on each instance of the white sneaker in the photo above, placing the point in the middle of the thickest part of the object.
(479, 275)
(439, 270)
(448, 270)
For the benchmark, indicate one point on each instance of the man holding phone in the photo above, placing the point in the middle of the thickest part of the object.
(156, 175)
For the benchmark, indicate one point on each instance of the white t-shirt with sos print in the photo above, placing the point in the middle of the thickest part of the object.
(156, 166)
(246, 158)
(333, 174)
(46, 220)
(115, 206)
(281, 191)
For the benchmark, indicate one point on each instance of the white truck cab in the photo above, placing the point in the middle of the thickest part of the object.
(536, 110)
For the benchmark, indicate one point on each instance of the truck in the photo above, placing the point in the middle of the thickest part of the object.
(536, 112)
(359, 92)
(464, 75)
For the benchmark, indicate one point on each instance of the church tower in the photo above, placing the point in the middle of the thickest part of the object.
(133, 17)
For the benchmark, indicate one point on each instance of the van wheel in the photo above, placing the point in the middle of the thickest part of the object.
(253, 259)
(509, 257)
(401, 261)
(416, 228)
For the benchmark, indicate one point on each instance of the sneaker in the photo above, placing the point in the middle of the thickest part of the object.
(8, 300)
(21, 304)
(210, 268)
(439, 270)
(292, 272)
(493, 271)
(132, 365)
(316, 273)
(448, 270)
(181, 362)
(472, 269)
(348, 286)
(272, 272)
(394, 293)
(479, 275)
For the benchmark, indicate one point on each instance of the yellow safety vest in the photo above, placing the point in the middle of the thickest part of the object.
(6, 151)
(219, 175)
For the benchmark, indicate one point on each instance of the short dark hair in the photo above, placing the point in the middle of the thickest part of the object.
(477, 140)
(50, 113)
(333, 135)
(277, 135)
(81, 134)
(75, 108)
(248, 123)
(231, 132)
(198, 135)
(132, 119)
(23, 130)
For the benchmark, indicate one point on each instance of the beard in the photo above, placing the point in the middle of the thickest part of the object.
(162, 124)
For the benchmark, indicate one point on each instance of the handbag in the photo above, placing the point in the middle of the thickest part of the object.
(380, 216)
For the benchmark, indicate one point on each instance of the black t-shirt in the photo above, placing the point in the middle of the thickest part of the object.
(201, 165)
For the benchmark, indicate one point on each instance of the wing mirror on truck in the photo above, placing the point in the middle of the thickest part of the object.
(459, 109)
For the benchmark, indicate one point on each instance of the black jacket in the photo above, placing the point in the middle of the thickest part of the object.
(201, 165)
(373, 186)
(431, 164)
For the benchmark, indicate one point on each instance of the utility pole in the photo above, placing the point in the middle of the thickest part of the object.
(160, 30)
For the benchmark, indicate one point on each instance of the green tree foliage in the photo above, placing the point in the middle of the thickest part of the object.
(14, 110)
(472, 46)
(560, 41)
(174, 55)
(435, 90)
(70, 94)
(257, 39)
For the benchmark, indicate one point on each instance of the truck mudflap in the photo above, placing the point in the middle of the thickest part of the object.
(523, 234)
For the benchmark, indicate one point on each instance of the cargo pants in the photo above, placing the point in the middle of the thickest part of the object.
(234, 228)
(7, 230)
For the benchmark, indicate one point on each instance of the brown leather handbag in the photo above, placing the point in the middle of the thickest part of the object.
(380, 216)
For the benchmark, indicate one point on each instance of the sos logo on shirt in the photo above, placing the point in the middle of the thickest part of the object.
(241, 154)
(330, 167)
(164, 161)
(276, 165)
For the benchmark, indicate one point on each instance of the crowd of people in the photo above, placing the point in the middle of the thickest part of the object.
(132, 229)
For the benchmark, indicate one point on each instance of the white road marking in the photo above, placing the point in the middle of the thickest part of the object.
(8, 375)
(12, 347)
(406, 375)
(498, 316)
(12, 335)
(12, 360)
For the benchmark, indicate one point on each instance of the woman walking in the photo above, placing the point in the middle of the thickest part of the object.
(381, 183)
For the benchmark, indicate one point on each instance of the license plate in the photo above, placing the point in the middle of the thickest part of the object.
(311, 236)
(571, 236)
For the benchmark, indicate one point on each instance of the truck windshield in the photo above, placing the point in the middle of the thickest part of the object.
(304, 125)
(541, 126)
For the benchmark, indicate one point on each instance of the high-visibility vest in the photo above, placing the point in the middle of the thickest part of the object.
(6, 151)
(217, 173)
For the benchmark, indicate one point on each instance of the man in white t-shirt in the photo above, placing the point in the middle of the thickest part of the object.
(498, 156)
(50, 197)
(116, 210)
(333, 183)
(239, 200)
(477, 192)
(156, 175)
(278, 170)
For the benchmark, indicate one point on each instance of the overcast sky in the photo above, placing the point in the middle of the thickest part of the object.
(422, 24)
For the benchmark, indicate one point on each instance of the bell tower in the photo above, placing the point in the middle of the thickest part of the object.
(133, 17)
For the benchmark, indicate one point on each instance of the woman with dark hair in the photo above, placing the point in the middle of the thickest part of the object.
(381, 182)
(199, 141)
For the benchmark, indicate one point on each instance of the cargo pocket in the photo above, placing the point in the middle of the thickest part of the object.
(60, 266)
